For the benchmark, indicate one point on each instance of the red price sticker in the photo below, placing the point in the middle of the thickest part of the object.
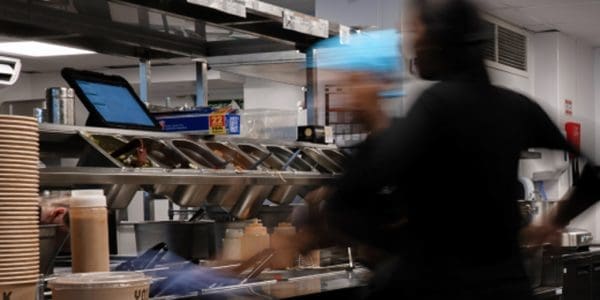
(216, 124)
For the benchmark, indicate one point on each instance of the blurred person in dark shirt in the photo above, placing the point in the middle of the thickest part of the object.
(436, 189)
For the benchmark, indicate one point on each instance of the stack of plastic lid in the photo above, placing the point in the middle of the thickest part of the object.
(19, 219)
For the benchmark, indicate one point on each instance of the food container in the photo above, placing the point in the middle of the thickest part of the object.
(88, 223)
(202, 158)
(286, 254)
(320, 161)
(295, 163)
(281, 194)
(284, 154)
(239, 200)
(336, 156)
(101, 286)
(168, 158)
(255, 240)
(189, 240)
(99, 154)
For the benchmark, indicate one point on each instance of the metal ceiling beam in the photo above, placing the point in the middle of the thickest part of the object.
(58, 21)
(237, 47)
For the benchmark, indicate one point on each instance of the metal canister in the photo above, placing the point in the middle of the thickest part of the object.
(60, 103)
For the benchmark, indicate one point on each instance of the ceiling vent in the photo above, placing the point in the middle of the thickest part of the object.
(507, 48)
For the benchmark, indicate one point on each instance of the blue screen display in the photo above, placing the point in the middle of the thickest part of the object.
(115, 103)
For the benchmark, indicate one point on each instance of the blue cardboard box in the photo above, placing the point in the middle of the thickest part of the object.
(199, 121)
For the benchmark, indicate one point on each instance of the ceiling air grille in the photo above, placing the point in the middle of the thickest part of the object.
(508, 47)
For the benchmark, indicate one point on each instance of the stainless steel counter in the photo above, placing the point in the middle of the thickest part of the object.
(69, 176)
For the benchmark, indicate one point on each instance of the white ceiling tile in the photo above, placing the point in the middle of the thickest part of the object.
(539, 3)
(588, 13)
(516, 17)
(491, 4)
(541, 27)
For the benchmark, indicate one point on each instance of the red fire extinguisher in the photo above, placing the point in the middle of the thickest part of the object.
(574, 138)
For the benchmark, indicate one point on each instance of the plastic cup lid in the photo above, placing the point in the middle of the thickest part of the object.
(99, 280)
(87, 198)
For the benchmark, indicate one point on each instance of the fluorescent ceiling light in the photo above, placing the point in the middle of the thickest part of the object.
(39, 49)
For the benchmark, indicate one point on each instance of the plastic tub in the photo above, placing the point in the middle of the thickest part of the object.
(101, 286)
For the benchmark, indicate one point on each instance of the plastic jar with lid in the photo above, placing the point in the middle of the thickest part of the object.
(101, 286)
(255, 239)
(88, 223)
(232, 244)
(286, 253)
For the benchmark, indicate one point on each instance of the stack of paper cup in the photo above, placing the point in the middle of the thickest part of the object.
(19, 219)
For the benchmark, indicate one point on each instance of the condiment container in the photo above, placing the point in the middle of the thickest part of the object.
(232, 244)
(101, 286)
(286, 253)
(88, 219)
(255, 240)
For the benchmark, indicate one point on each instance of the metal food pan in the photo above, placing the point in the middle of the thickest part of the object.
(166, 157)
(281, 194)
(239, 200)
(320, 161)
(118, 196)
(239, 160)
(257, 153)
(336, 155)
(285, 154)
(203, 157)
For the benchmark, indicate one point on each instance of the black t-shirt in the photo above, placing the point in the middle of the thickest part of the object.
(450, 168)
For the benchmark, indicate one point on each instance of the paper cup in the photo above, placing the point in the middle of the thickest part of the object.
(19, 276)
(16, 137)
(20, 145)
(19, 291)
(19, 127)
(19, 223)
(18, 118)
(19, 246)
(16, 239)
(22, 152)
(18, 262)
(23, 133)
(18, 165)
(17, 269)
(16, 169)
(20, 208)
(24, 228)
(33, 147)
(18, 190)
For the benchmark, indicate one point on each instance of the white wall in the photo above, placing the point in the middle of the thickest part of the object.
(378, 13)
(265, 94)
